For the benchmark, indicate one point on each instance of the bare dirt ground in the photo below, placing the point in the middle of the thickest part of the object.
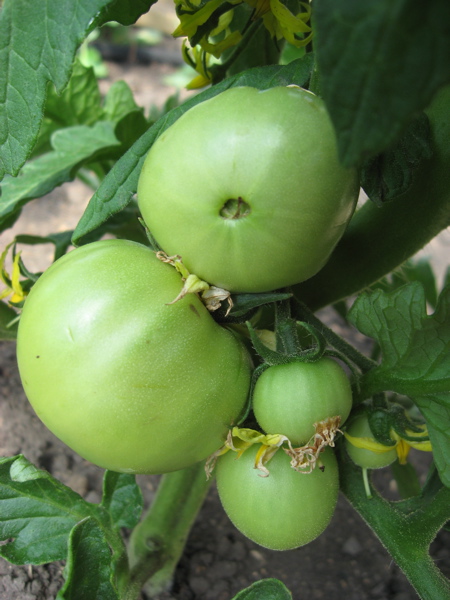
(346, 562)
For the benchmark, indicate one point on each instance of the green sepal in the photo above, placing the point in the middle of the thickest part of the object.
(270, 357)
(380, 421)
(245, 305)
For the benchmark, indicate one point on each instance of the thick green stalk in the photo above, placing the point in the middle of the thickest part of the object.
(378, 240)
(158, 541)
(406, 534)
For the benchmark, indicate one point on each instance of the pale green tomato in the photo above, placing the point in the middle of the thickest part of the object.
(129, 382)
(363, 457)
(283, 511)
(289, 399)
(248, 189)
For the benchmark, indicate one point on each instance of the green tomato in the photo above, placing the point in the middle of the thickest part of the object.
(363, 457)
(248, 189)
(283, 511)
(129, 382)
(290, 398)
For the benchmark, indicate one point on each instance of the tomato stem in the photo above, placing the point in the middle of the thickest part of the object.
(335, 340)
(404, 528)
(157, 543)
(366, 483)
(286, 329)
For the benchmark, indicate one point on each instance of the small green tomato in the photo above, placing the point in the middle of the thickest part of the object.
(290, 398)
(283, 511)
(359, 430)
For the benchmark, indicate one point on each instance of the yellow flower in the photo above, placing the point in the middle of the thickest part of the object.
(191, 20)
(277, 18)
(281, 22)
(239, 440)
(401, 445)
(199, 60)
(217, 48)
(13, 286)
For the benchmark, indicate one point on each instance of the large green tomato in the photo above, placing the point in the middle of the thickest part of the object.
(283, 511)
(248, 189)
(129, 382)
(290, 398)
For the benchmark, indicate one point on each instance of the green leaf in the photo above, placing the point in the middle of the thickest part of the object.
(415, 356)
(130, 127)
(381, 61)
(405, 476)
(88, 571)
(436, 410)
(422, 271)
(265, 589)
(391, 173)
(7, 316)
(38, 41)
(79, 103)
(121, 108)
(119, 186)
(72, 147)
(37, 511)
(125, 12)
(60, 240)
(412, 270)
(415, 347)
(122, 498)
(119, 101)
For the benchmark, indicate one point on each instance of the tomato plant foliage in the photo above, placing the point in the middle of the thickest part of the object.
(254, 183)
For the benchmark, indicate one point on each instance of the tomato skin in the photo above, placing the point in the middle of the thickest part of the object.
(274, 149)
(290, 398)
(283, 511)
(128, 382)
(365, 458)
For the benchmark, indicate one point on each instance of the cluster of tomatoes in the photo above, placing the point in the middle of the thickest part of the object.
(248, 189)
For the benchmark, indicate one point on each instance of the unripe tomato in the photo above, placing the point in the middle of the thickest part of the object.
(130, 383)
(363, 457)
(290, 398)
(248, 189)
(283, 511)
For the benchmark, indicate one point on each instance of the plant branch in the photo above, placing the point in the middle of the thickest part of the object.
(406, 536)
(335, 340)
(379, 240)
(157, 543)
